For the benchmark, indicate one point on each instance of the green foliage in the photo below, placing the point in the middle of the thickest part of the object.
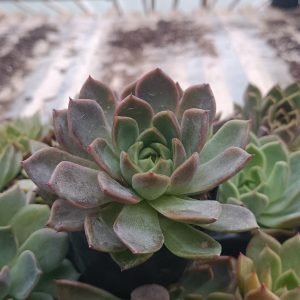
(133, 170)
(278, 112)
(31, 256)
(269, 185)
(270, 270)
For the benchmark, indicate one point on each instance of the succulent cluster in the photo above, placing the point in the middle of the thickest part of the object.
(270, 270)
(131, 171)
(31, 256)
(207, 281)
(278, 112)
(269, 185)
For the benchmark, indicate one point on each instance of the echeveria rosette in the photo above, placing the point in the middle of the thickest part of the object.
(129, 171)
(269, 185)
(278, 112)
(269, 270)
(31, 256)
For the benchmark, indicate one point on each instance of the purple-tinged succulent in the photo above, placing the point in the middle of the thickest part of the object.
(131, 171)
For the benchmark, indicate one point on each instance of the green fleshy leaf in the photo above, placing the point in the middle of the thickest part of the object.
(233, 134)
(105, 157)
(74, 290)
(198, 96)
(194, 129)
(8, 244)
(46, 283)
(288, 254)
(134, 151)
(188, 242)
(150, 292)
(244, 268)
(179, 154)
(87, 121)
(11, 201)
(4, 282)
(152, 135)
(162, 150)
(128, 168)
(25, 274)
(255, 201)
(36, 146)
(233, 218)
(159, 90)
(261, 293)
(221, 296)
(163, 167)
(114, 191)
(65, 216)
(29, 219)
(226, 191)
(77, 184)
(150, 185)
(291, 295)
(99, 229)
(63, 136)
(146, 164)
(43, 242)
(40, 296)
(258, 157)
(259, 242)
(287, 279)
(166, 122)
(127, 260)
(101, 93)
(294, 166)
(216, 171)
(124, 132)
(187, 210)
(137, 226)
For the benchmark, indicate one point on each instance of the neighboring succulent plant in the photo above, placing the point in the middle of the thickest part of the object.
(270, 270)
(31, 256)
(278, 112)
(68, 289)
(207, 281)
(135, 186)
(269, 185)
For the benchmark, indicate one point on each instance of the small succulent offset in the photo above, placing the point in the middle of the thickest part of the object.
(31, 256)
(131, 171)
(278, 112)
(270, 270)
(269, 185)
(207, 281)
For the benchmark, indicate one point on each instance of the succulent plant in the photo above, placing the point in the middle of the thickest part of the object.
(31, 256)
(269, 185)
(213, 280)
(130, 172)
(68, 289)
(278, 112)
(270, 270)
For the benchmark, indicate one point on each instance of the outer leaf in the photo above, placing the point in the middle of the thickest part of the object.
(128, 90)
(137, 109)
(8, 247)
(292, 295)
(187, 211)
(43, 242)
(194, 129)
(99, 229)
(40, 296)
(87, 121)
(198, 96)
(29, 219)
(256, 202)
(25, 274)
(141, 234)
(67, 217)
(78, 291)
(127, 260)
(150, 292)
(159, 90)
(188, 242)
(96, 90)
(11, 201)
(150, 185)
(233, 134)
(233, 218)
(244, 268)
(77, 184)
(261, 293)
(4, 282)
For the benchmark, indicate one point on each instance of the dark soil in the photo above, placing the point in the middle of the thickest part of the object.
(15, 60)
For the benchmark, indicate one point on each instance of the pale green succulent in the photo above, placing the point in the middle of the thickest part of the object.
(31, 256)
(134, 172)
(270, 270)
(269, 185)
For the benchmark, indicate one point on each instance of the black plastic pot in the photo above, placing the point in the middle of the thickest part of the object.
(100, 270)
(285, 3)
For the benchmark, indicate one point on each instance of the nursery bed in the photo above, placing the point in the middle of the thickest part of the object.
(46, 59)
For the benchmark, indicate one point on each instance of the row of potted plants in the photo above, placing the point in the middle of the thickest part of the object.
(150, 186)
